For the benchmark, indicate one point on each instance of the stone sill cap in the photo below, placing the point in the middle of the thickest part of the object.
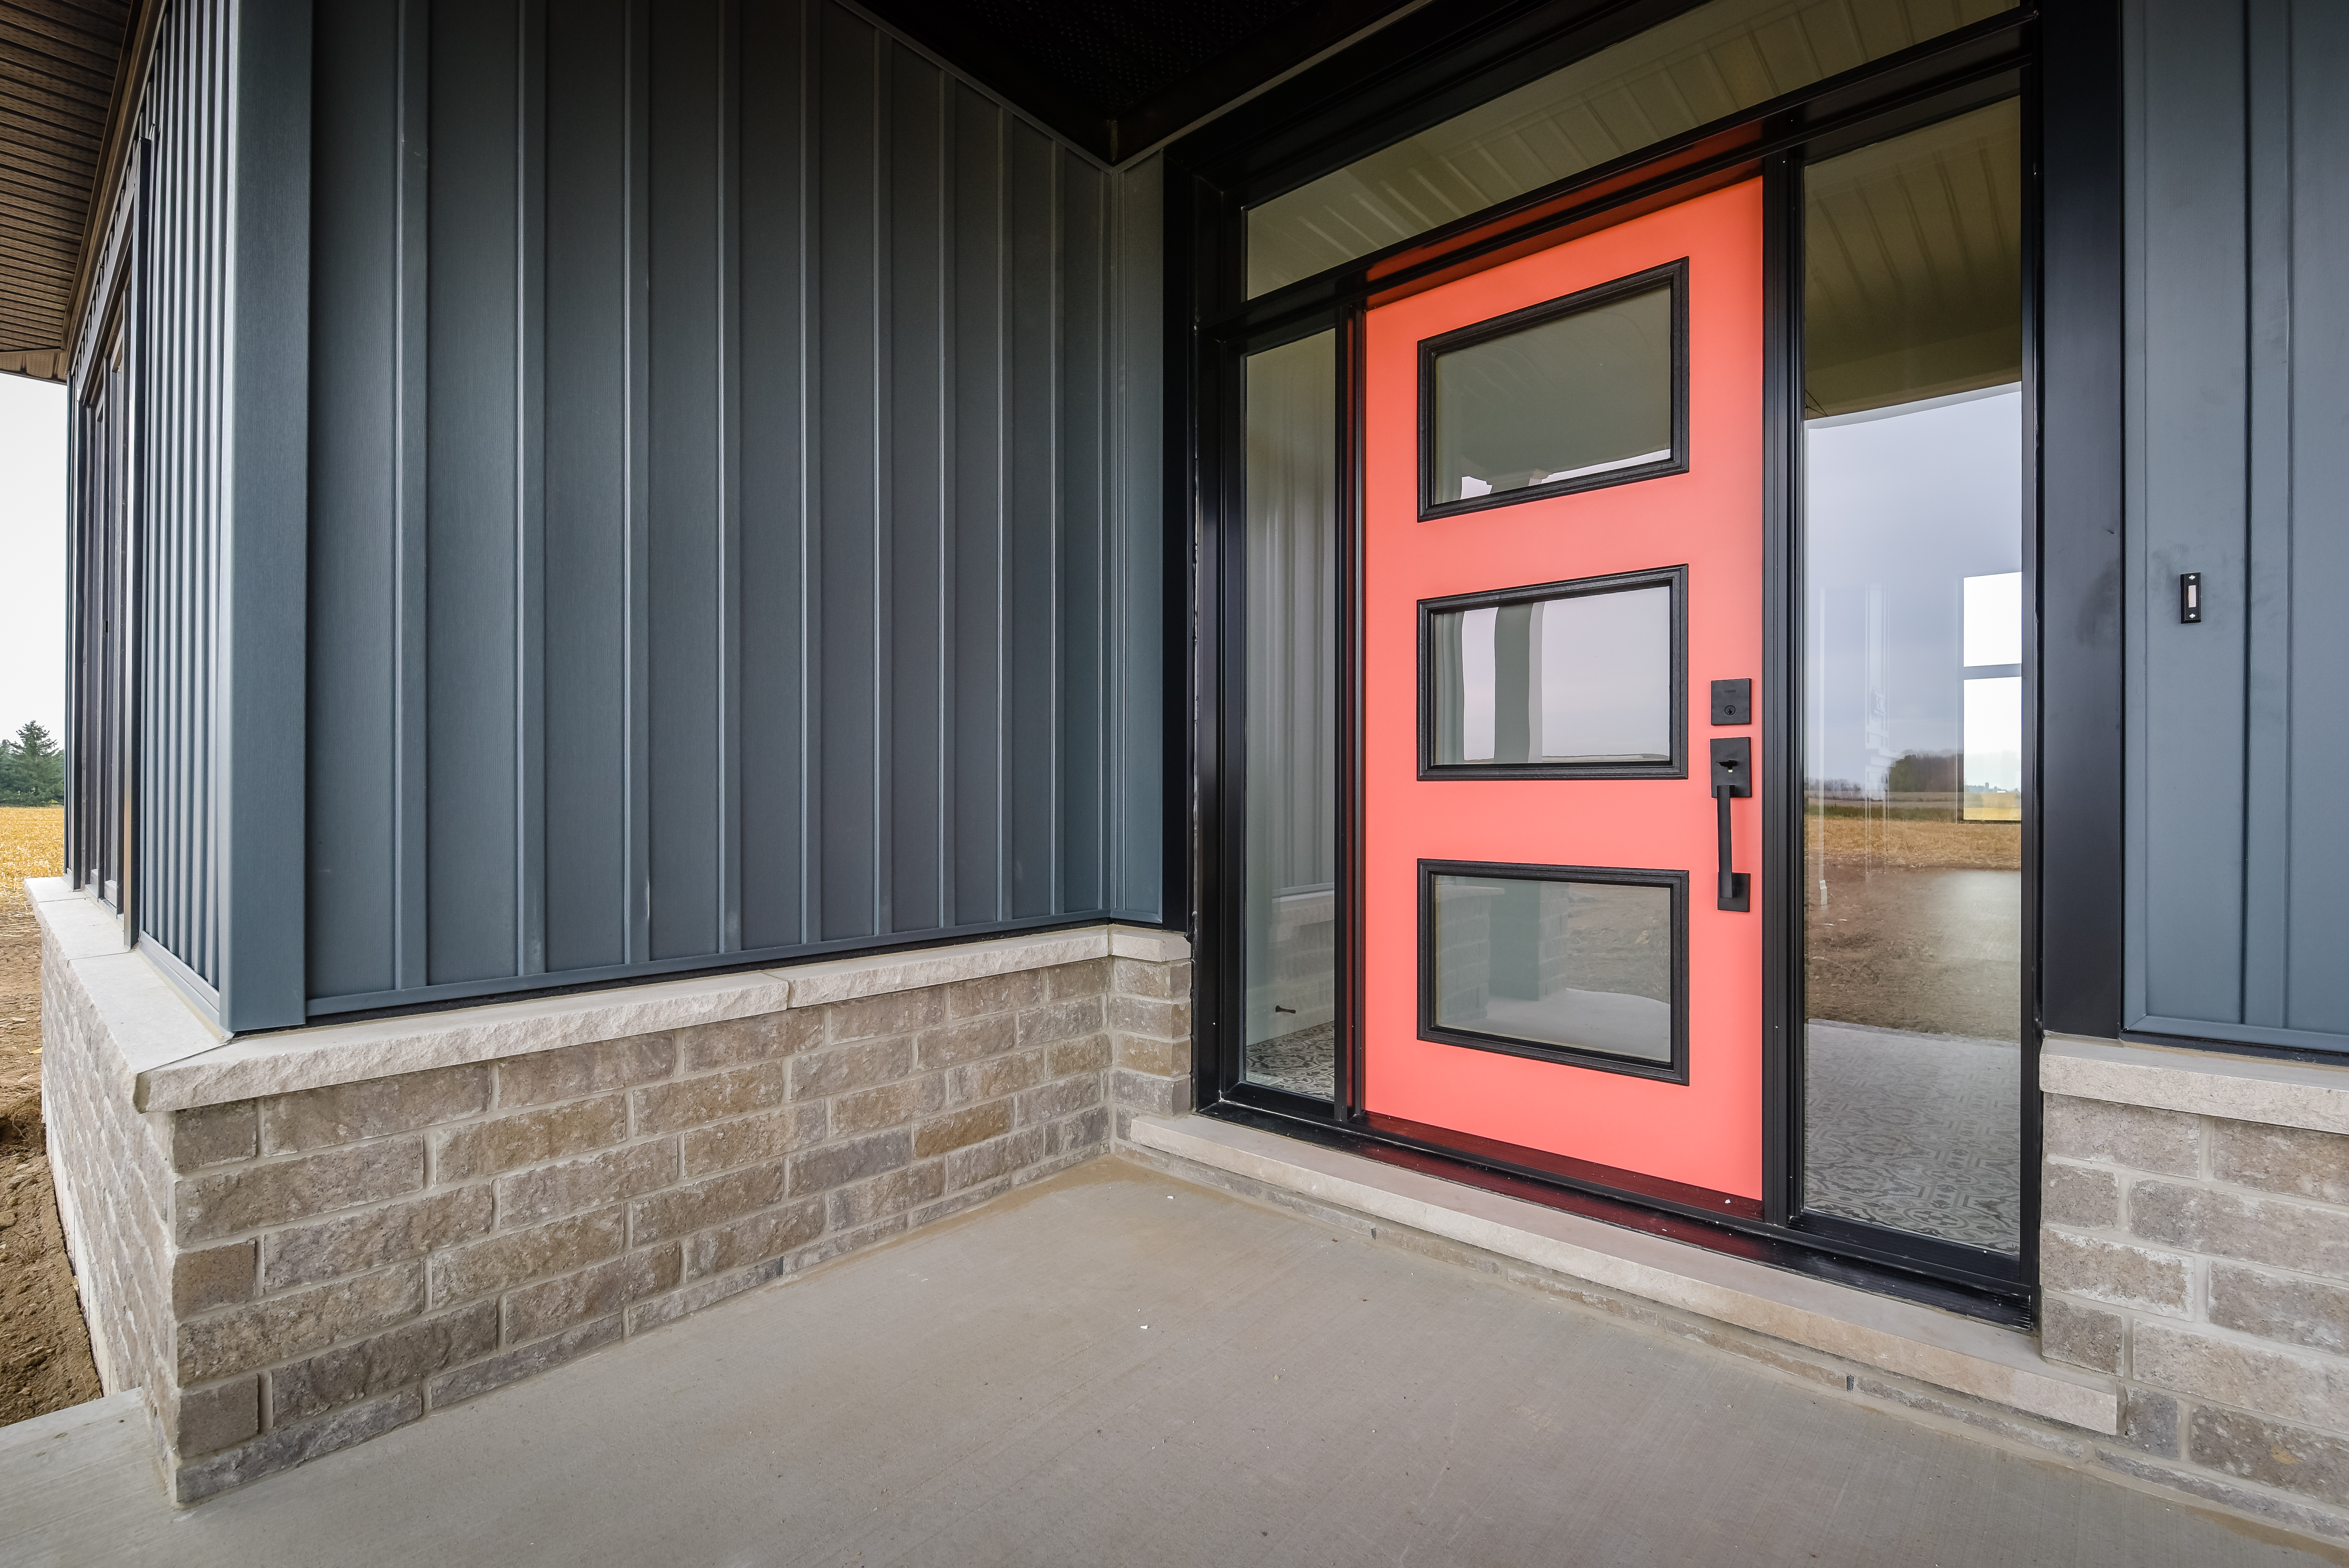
(2309, 1095)
(178, 1061)
(1903, 1338)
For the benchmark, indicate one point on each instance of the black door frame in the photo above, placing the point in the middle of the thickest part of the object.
(1402, 81)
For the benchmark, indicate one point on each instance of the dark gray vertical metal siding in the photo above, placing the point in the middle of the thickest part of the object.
(264, 567)
(1138, 570)
(851, 493)
(214, 304)
(589, 636)
(180, 295)
(2239, 427)
(919, 536)
(980, 488)
(725, 538)
(2301, 531)
(470, 485)
(775, 578)
(354, 489)
(690, 472)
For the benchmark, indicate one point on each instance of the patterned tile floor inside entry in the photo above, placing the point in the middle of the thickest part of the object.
(1304, 1061)
(1922, 1132)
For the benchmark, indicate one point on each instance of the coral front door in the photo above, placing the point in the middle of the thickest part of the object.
(1562, 556)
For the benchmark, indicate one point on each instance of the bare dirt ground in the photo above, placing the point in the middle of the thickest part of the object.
(45, 1362)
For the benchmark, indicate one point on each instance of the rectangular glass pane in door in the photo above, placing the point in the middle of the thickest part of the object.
(1560, 962)
(1291, 735)
(1583, 394)
(1579, 678)
(1911, 684)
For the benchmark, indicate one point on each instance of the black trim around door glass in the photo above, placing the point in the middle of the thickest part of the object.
(1675, 766)
(1672, 276)
(1674, 1071)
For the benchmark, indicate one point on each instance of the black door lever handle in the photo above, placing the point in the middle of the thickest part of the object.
(1733, 778)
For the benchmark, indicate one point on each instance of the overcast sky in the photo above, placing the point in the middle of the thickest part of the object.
(32, 554)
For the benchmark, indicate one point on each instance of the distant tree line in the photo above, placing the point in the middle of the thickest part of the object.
(31, 769)
(1924, 773)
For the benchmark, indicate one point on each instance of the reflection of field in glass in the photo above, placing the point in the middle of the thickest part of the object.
(1932, 949)
(1994, 805)
(1879, 841)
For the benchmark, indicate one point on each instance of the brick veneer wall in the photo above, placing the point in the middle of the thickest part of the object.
(112, 1165)
(322, 1266)
(2205, 1262)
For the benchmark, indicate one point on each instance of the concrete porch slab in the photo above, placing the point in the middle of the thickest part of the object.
(1934, 1346)
(1115, 1367)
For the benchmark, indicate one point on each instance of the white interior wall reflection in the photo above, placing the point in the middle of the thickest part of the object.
(1290, 732)
(1991, 768)
(1593, 671)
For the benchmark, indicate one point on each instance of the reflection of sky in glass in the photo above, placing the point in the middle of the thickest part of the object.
(1901, 506)
(1606, 666)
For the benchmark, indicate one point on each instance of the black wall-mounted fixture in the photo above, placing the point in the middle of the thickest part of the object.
(2189, 598)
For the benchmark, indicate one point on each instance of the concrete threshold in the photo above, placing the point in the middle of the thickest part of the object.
(1934, 1346)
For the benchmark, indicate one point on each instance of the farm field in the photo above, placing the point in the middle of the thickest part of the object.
(45, 1360)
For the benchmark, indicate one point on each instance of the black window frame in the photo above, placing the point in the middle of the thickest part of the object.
(1673, 578)
(105, 604)
(1671, 276)
(1673, 1071)
(2065, 67)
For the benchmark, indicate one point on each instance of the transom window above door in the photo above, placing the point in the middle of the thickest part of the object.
(1569, 395)
(1707, 63)
(1581, 679)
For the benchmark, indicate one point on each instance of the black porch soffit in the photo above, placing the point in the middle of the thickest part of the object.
(1115, 78)
(60, 72)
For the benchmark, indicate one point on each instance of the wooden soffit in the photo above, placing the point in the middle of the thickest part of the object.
(62, 98)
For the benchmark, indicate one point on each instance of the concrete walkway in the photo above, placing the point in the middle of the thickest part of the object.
(1113, 1368)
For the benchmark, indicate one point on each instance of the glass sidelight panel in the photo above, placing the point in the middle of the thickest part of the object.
(1572, 963)
(1584, 394)
(1565, 681)
(1291, 736)
(1913, 713)
(1709, 62)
